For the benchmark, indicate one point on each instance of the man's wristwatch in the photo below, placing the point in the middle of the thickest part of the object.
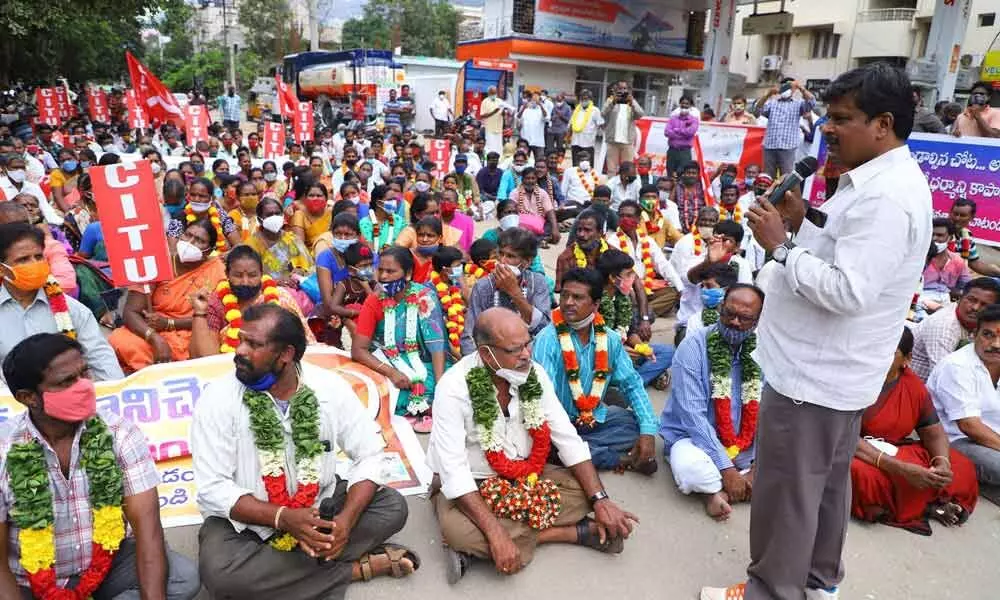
(601, 495)
(780, 253)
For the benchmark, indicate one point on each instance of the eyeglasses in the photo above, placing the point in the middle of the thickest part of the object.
(728, 315)
(515, 350)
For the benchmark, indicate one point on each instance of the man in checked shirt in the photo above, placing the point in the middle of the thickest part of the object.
(47, 373)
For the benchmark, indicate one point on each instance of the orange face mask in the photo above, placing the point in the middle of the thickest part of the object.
(30, 276)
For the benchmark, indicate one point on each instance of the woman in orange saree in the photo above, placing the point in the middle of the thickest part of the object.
(158, 326)
(900, 481)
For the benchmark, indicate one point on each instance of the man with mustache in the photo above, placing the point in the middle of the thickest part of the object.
(964, 388)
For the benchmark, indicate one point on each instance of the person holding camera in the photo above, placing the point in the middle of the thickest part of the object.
(620, 113)
(979, 119)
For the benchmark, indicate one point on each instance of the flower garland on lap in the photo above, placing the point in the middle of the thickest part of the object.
(269, 437)
(585, 403)
(59, 307)
(720, 359)
(516, 492)
(454, 308)
(647, 259)
(411, 365)
(581, 257)
(233, 315)
(213, 216)
(34, 515)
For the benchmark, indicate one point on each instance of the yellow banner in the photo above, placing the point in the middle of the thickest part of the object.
(991, 66)
(161, 399)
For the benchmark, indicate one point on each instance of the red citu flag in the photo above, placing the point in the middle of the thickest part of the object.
(287, 100)
(153, 96)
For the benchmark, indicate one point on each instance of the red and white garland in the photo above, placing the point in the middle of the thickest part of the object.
(411, 365)
(647, 258)
(59, 307)
(720, 357)
(585, 402)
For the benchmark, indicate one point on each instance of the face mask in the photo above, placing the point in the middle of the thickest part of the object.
(342, 245)
(689, 180)
(515, 378)
(509, 222)
(748, 181)
(515, 270)
(69, 165)
(270, 177)
(422, 186)
(786, 94)
(84, 164)
(460, 169)
(706, 231)
(16, 176)
(29, 277)
(274, 223)
(74, 404)
(200, 207)
(448, 209)
(391, 288)
(456, 274)
(734, 337)
(588, 246)
(518, 168)
(156, 168)
(726, 179)
(711, 297)
(262, 383)
(628, 223)
(175, 211)
(586, 103)
(249, 203)
(738, 108)
(315, 205)
(245, 292)
(428, 250)
(365, 273)
(624, 284)
(582, 323)
(642, 171)
(584, 165)
(940, 247)
(188, 252)
(390, 206)
(355, 200)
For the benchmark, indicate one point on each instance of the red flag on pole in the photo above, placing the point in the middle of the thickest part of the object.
(97, 105)
(287, 101)
(156, 99)
(48, 106)
(304, 123)
(274, 140)
(136, 115)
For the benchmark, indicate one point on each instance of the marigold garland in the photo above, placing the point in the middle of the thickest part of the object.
(59, 307)
(585, 402)
(232, 313)
(453, 306)
(516, 492)
(588, 181)
(215, 218)
(699, 245)
(720, 358)
(736, 213)
(34, 514)
(646, 255)
(391, 234)
(581, 256)
(269, 438)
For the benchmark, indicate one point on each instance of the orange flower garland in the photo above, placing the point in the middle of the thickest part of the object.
(587, 185)
(476, 272)
(585, 403)
(647, 259)
(233, 315)
(698, 244)
(454, 307)
(736, 212)
(213, 216)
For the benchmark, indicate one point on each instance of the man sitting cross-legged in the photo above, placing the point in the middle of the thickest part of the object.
(265, 444)
(583, 356)
(496, 416)
(710, 421)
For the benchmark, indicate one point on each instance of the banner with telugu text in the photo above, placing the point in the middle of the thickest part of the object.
(161, 400)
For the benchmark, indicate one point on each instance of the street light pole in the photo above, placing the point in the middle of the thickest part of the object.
(230, 51)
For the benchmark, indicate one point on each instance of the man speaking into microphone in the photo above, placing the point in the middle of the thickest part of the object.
(831, 321)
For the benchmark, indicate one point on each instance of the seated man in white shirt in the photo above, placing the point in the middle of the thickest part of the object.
(495, 415)
(657, 276)
(948, 330)
(624, 186)
(274, 408)
(964, 388)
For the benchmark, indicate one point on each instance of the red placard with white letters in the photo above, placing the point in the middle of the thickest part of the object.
(62, 101)
(136, 114)
(304, 124)
(132, 223)
(274, 139)
(439, 151)
(48, 106)
(97, 105)
(196, 124)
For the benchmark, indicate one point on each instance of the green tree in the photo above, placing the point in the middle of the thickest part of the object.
(267, 24)
(174, 21)
(421, 27)
(211, 68)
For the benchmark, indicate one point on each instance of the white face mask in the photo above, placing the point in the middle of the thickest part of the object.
(270, 177)
(509, 222)
(422, 186)
(940, 247)
(518, 168)
(274, 223)
(584, 165)
(515, 270)
(582, 323)
(188, 252)
(515, 378)
(706, 232)
(200, 207)
(156, 168)
(786, 94)
(17, 175)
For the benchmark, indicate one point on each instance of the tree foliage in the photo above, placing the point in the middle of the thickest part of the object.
(174, 21)
(421, 27)
(268, 26)
(76, 40)
(210, 69)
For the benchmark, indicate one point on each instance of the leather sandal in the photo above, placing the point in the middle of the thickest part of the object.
(591, 539)
(396, 553)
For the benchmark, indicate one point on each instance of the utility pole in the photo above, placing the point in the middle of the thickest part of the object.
(230, 50)
(313, 26)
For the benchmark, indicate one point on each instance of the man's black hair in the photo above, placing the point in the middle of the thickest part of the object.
(877, 88)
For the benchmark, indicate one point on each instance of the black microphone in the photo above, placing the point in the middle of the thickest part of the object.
(803, 169)
(327, 511)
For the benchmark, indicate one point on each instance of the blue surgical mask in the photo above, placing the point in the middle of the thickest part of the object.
(199, 168)
(264, 383)
(392, 288)
(84, 164)
(456, 274)
(748, 181)
(69, 165)
(711, 297)
(460, 169)
(428, 250)
(175, 211)
(390, 206)
(726, 179)
(734, 337)
(365, 273)
(342, 245)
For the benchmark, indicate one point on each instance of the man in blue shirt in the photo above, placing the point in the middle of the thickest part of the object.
(619, 438)
(392, 110)
(783, 114)
(700, 460)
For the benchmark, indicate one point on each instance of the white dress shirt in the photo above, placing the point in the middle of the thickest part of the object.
(682, 259)
(48, 213)
(226, 465)
(670, 211)
(832, 318)
(620, 192)
(661, 265)
(533, 126)
(454, 451)
(962, 388)
(441, 109)
(572, 188)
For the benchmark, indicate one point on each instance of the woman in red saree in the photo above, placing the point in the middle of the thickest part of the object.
(924, 478)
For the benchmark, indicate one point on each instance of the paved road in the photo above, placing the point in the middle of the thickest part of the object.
(677, 549)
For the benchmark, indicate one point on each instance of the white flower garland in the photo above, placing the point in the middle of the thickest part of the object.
(411, 366)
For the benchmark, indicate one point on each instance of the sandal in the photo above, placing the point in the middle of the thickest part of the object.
(457, 564)
(423, 424)
(396, 553)
(591, 539)
(662, 381)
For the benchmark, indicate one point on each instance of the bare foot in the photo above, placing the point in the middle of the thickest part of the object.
(717, 506)
(948, 514)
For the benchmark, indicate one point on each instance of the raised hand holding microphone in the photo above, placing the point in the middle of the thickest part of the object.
(770, 220)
